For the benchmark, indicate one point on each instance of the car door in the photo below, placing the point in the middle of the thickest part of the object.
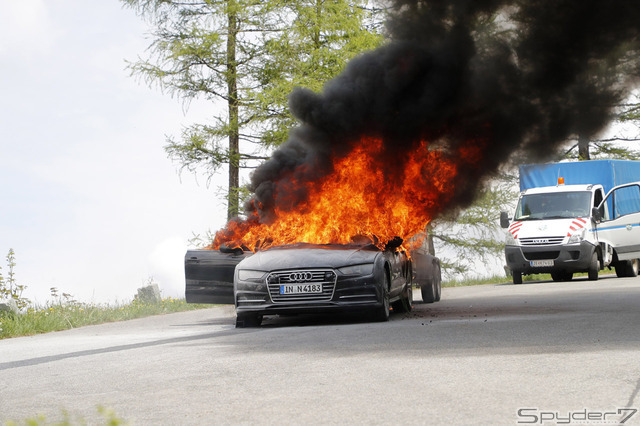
(620, 222)
(209, 275)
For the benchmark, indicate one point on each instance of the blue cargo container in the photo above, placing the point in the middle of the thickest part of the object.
(608, 173)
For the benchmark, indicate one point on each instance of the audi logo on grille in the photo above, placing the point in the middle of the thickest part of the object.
(300, 276)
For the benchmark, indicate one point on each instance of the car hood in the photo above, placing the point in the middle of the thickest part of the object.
(309, 256)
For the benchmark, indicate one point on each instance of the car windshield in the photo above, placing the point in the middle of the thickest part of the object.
(557, 205)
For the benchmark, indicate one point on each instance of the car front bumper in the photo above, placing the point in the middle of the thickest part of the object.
(349, 294)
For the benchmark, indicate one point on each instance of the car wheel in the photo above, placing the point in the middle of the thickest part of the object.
(594, 267)
(428, 292)
(438, 283)
(382, 313)
(517, 277)
(556, 276)
(248, 319)
(405, 304)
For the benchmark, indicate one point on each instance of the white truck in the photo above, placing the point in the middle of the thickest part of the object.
(575, 217)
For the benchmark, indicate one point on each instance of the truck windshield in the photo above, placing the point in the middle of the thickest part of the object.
(557, 205)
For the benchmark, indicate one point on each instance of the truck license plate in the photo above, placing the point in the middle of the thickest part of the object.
(539, 263)
(300, 288)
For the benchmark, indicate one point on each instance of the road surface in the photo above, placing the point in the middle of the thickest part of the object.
(537, 353)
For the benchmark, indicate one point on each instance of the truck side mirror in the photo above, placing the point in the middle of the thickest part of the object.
(595, 213)
(504, 219)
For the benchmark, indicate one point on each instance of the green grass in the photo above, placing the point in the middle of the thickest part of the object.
(476, 281)
(108, 416)
(503, 279)
(63, 316)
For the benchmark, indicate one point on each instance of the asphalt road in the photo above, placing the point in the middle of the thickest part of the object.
(540, 353)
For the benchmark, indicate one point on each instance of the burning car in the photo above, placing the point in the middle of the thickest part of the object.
(311, 278)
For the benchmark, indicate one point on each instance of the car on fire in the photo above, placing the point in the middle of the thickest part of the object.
(311, 278)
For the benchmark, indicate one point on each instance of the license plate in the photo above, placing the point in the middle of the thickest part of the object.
(539, 263)
(300, 288)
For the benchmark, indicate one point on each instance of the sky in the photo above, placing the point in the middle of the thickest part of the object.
(89, 201)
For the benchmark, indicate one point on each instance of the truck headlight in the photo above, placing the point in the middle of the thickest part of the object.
(510, 240)
(577, 236)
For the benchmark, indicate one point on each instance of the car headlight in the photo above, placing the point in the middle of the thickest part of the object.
(250, 275)
(363, 269)
(577, 236)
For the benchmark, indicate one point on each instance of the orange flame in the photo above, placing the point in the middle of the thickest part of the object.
(364, 196)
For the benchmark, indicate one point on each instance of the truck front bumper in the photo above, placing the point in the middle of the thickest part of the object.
(566, 257)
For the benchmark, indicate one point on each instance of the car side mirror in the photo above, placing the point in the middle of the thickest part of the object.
(504, 219)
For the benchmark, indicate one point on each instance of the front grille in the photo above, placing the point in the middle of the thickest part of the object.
(541, 241)
(326, 277)
(542, 255)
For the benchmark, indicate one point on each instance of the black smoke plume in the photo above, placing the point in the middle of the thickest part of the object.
(520, 76)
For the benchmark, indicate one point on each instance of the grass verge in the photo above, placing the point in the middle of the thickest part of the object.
(475, 281)
(63, 316)
(503, 279)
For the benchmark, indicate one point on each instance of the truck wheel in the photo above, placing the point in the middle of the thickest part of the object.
(517, 277)
(594, 267)
(627, 268)
(248, 319)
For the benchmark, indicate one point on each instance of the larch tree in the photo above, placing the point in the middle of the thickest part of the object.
(248, 54)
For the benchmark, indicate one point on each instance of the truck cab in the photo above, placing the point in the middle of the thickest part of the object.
(553, 231)
(565, 229)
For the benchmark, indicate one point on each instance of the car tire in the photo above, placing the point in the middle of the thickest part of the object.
(438, 283)
(248, 320)
(594, 267)
(381, 313)
(429, 292)
(517, 277)
(405, 304)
